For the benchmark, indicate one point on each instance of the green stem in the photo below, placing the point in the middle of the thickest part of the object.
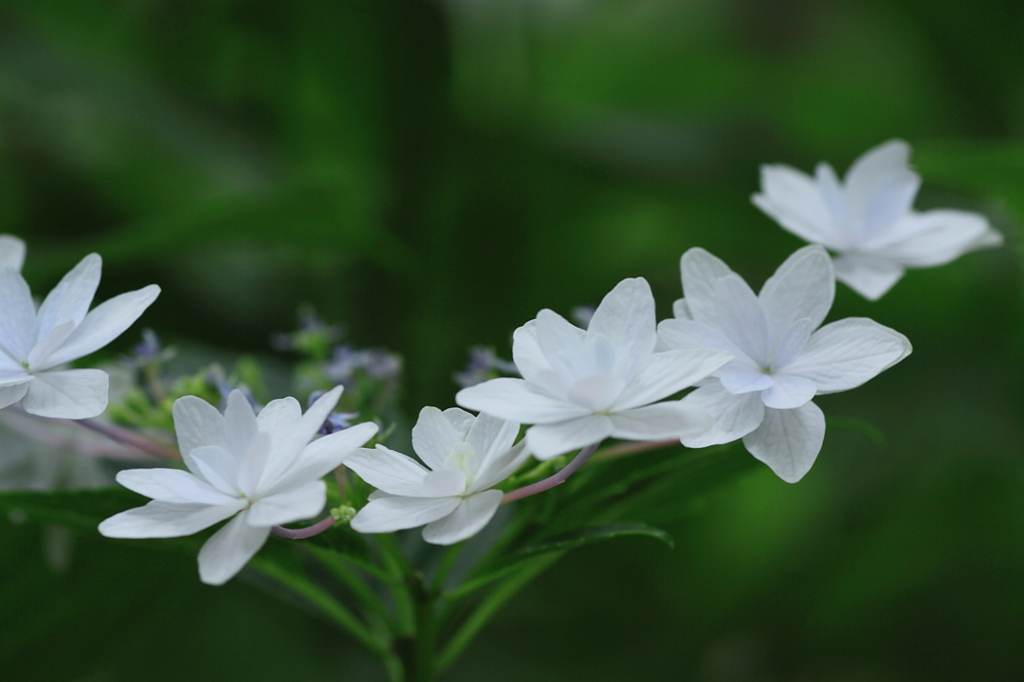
(450, 555)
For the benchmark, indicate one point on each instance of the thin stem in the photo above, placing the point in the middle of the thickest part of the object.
(441, 572)
(632, 448)
(303, 533)
(552, 481)
(125, 437)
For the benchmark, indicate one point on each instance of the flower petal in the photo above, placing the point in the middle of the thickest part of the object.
(166, 519)
(516, 400)
(738, 379)
(735, 415)
(561, 343)
(700, 271)
(322, 456)
(12, 252)
(468, 519)
(625, 317)
(669, 372)
(670, 419)
(18, 318)
(68, 394)
(216, 466)
(11, 393)
(491, 437)
(278, 418)
(871, 169)
(173, 485)
(869, 276)
(391, 471)
(197, 423)
(496, 470)
(891, 201)
(792, 342)
(803, 286)
(104, 324)
(444, 483)
(938, 237)
(550, 440)
(788, 391)
(229, 549)
(741, 317)
(798, 203)
(292, 504)
(788, 441)
(70, 299)
(433, 437)
(289, 443)
(845, 354)
(388, 513)
(239, 423)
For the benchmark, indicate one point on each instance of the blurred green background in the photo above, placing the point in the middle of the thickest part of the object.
(433, 173)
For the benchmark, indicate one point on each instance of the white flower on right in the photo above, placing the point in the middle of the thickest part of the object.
(466, 457)
(35, 344)
(764, 395)
(868, 218)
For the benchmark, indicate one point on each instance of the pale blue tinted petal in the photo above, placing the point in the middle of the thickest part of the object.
(465, 521)
(173, 485)
(388, 470)
(796, 202)
(845, 354)
(734, 415)
(625, 317)
(803, 286)
(741, 318)
(869, 276)
(788, 391)
(700, 271)
(669, 372)
(12, 252)
(388, 513)
(292, 504)
(166, 519)
(39, 356)
(11, 393)
(938, 237)
(739, 379)
(792, 342)
(69, 394)
(670, 419)
(197, 423)
(891, 201)
(874, 167)
(17, 316)
(788, 441)
(518, 401)
(70, 299)
(229, 550)
(550, 440)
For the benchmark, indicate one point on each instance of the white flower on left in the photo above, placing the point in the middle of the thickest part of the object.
(34, 343)
(261, 469)
(868, 218)
(466, 456)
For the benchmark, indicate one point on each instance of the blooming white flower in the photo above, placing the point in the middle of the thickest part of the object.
(262, 470)
(764, 395)
(466, 456)
(35, 343)
(868, 218)
(579, 387)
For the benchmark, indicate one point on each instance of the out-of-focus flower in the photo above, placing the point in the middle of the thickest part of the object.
(580, 387)
(347, 361)
(781, 362)
(466, 457)
(483, 364)
(34, 344)
(868, 218)
(260, 469)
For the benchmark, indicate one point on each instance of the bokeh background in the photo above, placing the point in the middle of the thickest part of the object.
(431, 174)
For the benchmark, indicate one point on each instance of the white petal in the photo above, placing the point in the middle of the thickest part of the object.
(845, 354)
(468, 519)
(803, 286)
(670, 419)
(390, 513)
(792, 342)
(625, 317)
(252, 465)
(788, 441)
(288, 444)
(700, 271)
(197, 423)
(104, 324)
(444, 483)
(229, 550)
(491, 437)
(597, 392)
(937, 237)
(460, 420)
(38, 357)
(741, 318)
(560, 342)
(797, 203)
(292, 504)
(239, 423)
(433, 437)
(869, 276)
(681, 310)
(12, 252)
(216, 466)
(70, 299)
(18, 321)
(739, 378)
(166, 519)
(788, 391)
(278, 418)
(891, 201)
(527, 356)
(68, 394)
(678, 333)
(173, 485)
(669, 372)
(388, 470)
(874, 167)
(322, 456)
(550, 440)
(735, 415)
(518, 401)
(496, 470)
(11, 393)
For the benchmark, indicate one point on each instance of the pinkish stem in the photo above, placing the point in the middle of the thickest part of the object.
(303, 533)
(551, 481)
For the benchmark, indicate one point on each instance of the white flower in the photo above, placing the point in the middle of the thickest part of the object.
(465, 456)
(580, 387)
(868, 218)
(764, 395)
(262, 470)
(34, 344)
